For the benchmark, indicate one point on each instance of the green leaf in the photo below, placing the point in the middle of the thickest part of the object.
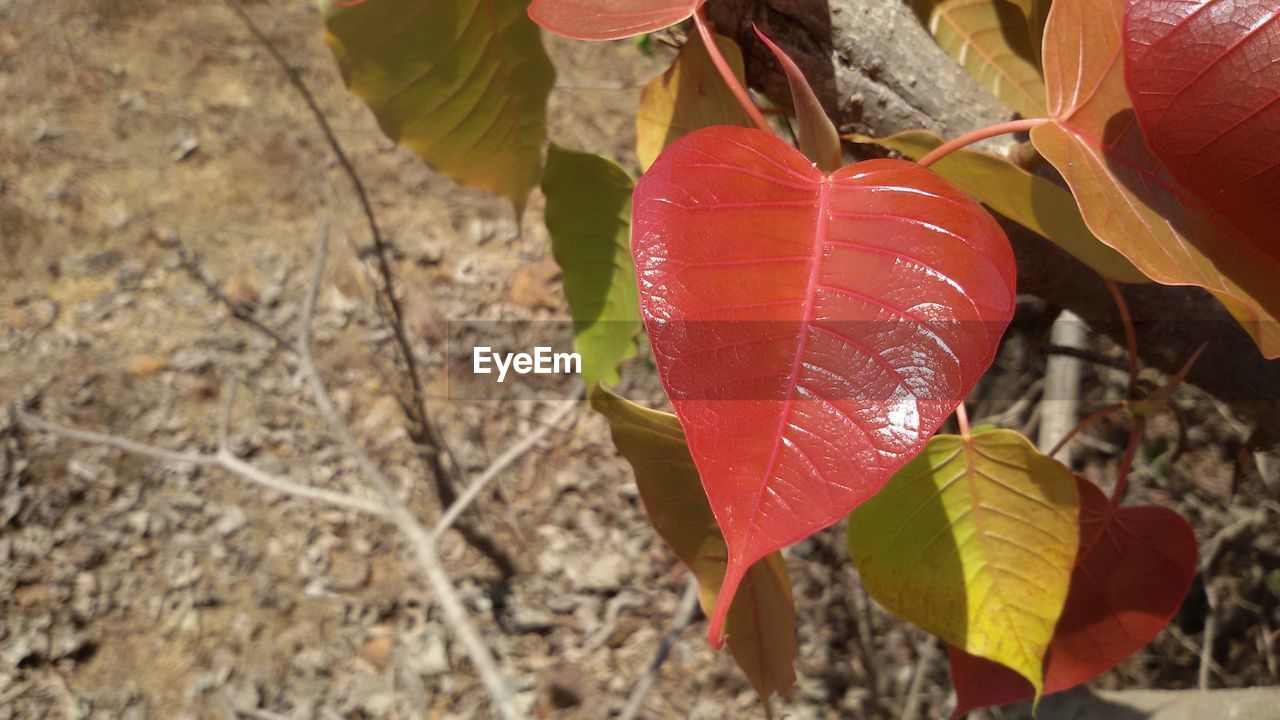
(688, 96)
(974, 541)
(589, 217)
(1029, 200)
(761, 621)
(991, 39)
(462, 83)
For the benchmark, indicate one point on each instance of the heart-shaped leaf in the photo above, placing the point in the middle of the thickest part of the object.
(1204, 77)
(1129, 200)
(462, 83)
(991, 39)
(589, 217)
(974, 541)
(812, 330)
(762, 620)
(609, 19)
(1134, 567)
(1034, 202)
(688, 96)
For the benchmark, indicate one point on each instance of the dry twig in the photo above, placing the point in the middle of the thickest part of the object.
(684, 615)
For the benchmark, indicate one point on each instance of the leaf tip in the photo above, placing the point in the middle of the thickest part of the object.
(733, 574)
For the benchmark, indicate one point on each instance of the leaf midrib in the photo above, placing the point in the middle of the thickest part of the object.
(811, 292)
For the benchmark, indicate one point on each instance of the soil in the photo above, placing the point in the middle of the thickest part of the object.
(133, 131)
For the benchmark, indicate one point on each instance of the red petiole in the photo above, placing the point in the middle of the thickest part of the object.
(990, 131)
(726, 72)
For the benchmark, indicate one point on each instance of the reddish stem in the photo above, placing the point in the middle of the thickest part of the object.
(1126, 463)
(726, 72)
(990, 131)
(1130, 337)
(962, 418)
(1091, 419)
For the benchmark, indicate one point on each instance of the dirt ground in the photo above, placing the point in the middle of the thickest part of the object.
(130, 588)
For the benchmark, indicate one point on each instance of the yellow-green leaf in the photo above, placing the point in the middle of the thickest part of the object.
(991, 39)
(462, 83)
(688, 96)
(974, 541)
(762, 619)
(1029, 200)
(589, 217)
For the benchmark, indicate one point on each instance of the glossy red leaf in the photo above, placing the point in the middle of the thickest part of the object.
(609, 19)
(1204, 78)
(1134, 568)
(811, 329)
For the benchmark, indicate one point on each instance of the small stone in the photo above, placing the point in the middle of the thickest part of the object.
(147, 366)
(532, 285)
(377, 651)
(232, 519)
(432, 654)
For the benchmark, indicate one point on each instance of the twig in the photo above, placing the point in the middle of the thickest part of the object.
(500, 463)
(417, 409)
(928, 650)
(239, 310)
(1210, 635)
(420, 541)
(684, 614)
(221, 459)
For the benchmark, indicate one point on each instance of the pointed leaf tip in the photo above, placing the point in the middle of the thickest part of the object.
(760, 624)
(819, 140)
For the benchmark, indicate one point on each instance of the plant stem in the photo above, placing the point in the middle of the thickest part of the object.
(1130, 337)
(962, 418)
(1093, 417)
(983, 133)
(726, 72)
(1126, 463)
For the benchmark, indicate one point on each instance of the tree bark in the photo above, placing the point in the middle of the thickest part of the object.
(878, 71)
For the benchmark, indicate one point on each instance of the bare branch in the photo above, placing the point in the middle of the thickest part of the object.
(239, 310)
(222, 459)
(500, 463)
(420, 541)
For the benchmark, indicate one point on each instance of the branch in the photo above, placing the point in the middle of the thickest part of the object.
(420, 541)
(500, 463)
(425, 430)
(221, 459)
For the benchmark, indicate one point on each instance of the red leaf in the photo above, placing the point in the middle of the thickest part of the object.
(609, 19)
(812, 330)
(1135, 566)
(1204, 78)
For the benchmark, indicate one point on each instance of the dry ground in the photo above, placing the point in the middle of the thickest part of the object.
(130, 588)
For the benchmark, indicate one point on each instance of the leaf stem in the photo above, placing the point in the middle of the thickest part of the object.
(1104, 411)
(726, 72)
(962, 418)
(1126, 463)
(1130, 336)
(990, 131)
